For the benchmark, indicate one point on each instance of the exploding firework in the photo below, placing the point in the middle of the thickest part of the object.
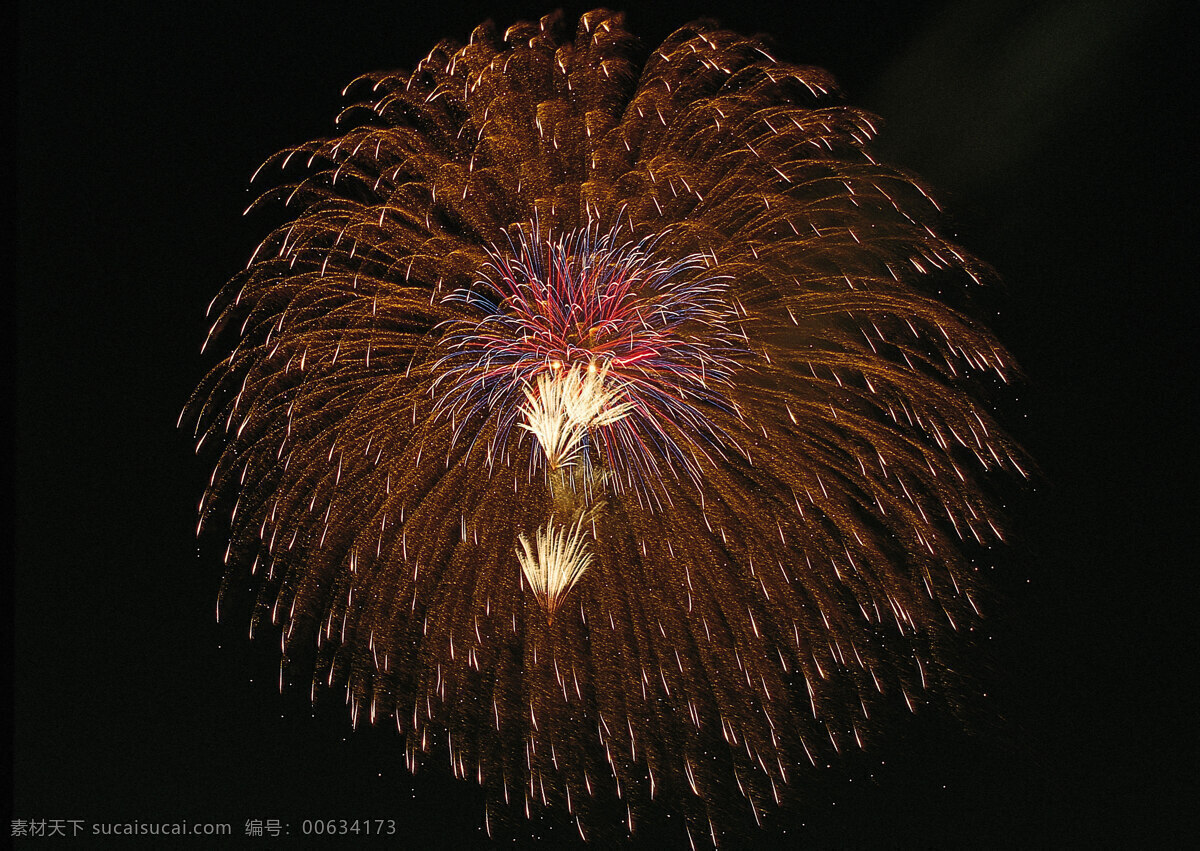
(594, 421)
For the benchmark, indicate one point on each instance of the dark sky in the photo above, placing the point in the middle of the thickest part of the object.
(1060, 140)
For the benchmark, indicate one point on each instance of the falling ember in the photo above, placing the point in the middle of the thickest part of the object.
(659, 337)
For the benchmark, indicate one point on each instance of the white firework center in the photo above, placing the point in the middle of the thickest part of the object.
(558, 411)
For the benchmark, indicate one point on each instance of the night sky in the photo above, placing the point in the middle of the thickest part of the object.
(1058, 136)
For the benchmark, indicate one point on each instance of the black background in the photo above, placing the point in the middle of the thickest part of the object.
(1059, 138)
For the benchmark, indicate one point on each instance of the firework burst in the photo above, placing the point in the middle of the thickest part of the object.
(595, 420)
(628, 345)
(555, 563)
